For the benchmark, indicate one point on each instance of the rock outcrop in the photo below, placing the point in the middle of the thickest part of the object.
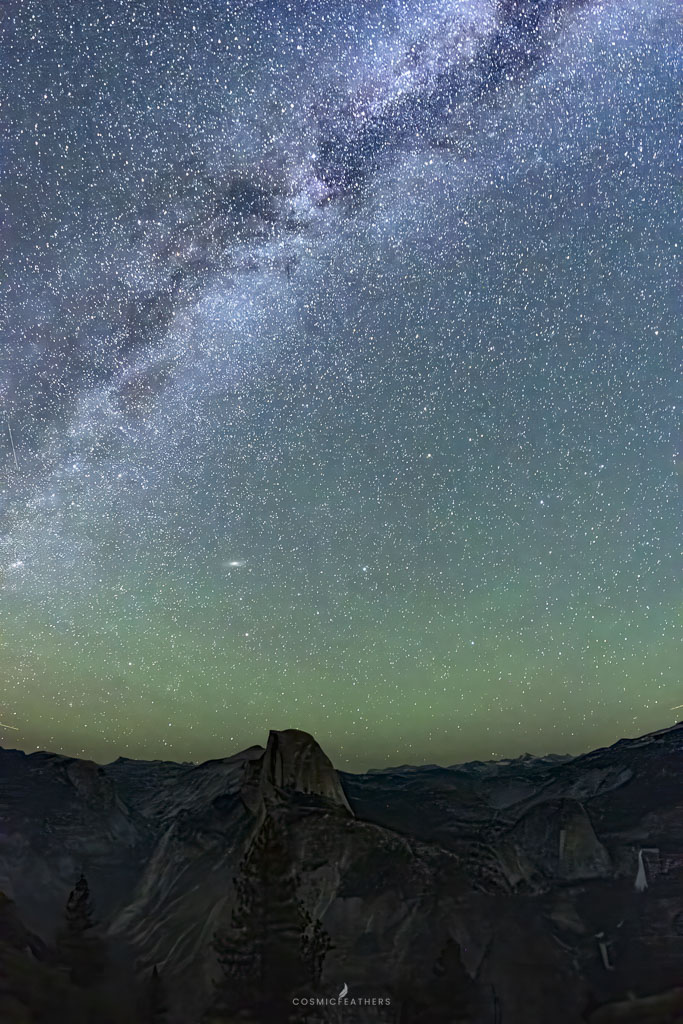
(558, 839)
(292, 763)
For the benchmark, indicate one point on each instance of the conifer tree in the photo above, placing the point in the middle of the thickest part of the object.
(272, 948)
(454, 990)
(315, 947)
(153, 1005)
(80, 948)
(443, 995)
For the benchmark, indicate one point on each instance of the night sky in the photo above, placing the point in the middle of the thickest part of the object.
(337, 381)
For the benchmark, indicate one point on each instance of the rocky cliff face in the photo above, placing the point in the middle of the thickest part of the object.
(292, 764)
(547, 889)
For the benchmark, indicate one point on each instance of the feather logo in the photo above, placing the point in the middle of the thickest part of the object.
(343, 992)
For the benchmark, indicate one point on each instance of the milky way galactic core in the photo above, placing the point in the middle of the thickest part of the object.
(336, 376)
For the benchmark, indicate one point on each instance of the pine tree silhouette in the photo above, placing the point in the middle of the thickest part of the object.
(454, 991)
(153, 1005)
(443, 995)
(316, 944)
(80, 949)
(272, 947)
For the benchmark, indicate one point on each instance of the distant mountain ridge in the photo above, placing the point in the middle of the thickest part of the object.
(490, 765)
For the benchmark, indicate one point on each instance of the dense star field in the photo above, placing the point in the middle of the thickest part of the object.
(336, 376)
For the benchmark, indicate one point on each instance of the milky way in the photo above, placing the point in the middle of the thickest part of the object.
(337, 376)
